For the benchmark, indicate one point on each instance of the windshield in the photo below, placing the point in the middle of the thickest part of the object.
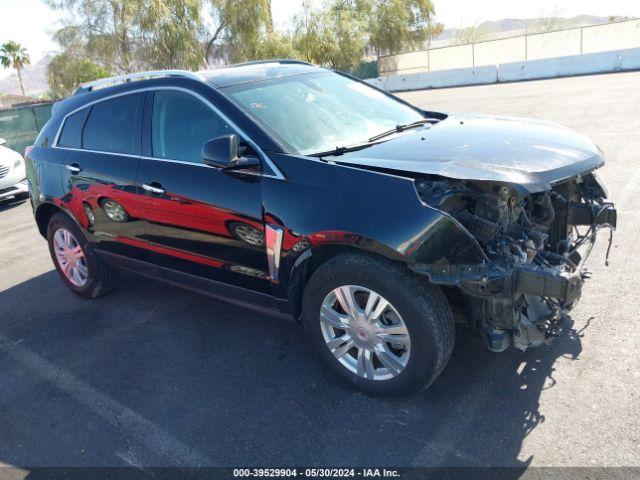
(316, 113)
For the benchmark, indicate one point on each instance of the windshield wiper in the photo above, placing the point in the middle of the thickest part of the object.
(352, 148)
(403, 127)
(342, 150)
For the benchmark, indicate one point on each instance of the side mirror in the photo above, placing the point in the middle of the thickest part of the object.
(2, 141)
(222, 152)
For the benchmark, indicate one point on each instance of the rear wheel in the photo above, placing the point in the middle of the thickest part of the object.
(80, 268)
(377, 325)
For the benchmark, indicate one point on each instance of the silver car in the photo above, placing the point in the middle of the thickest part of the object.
(13, 178)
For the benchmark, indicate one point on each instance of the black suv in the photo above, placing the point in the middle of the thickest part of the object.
(303, 192)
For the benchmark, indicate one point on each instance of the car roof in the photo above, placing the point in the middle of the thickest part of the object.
(256, 71)
(218, 78)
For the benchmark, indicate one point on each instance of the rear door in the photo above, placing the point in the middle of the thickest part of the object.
(102, 147)
(200, 220)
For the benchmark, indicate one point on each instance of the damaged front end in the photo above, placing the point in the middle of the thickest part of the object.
(536, 246)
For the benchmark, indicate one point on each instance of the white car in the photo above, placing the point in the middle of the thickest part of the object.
(13, 177)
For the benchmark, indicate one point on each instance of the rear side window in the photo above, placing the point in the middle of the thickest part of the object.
(112, 126)
(71, 135)
(181, 124)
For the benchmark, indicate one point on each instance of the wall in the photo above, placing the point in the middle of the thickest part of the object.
(614, 36)
(407, 63)
(450, 57)
(553, 44)
(500, 51)
(577, 41)
(590, 63)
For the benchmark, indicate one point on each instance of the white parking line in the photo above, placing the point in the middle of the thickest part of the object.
(134, 426)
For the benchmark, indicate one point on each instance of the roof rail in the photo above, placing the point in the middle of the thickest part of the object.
(258, 62)
(133, 77)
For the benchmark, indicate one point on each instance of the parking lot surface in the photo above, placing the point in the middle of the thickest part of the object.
(152, 375)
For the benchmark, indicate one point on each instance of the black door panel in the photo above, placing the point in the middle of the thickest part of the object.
(105, 200)
(199, 220)
(206, 222)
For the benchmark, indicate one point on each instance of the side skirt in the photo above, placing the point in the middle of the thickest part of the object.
(242, 297)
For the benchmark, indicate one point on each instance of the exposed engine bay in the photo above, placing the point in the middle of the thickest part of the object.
(536, 246)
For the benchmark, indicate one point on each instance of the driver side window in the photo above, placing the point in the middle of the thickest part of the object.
(181, 124)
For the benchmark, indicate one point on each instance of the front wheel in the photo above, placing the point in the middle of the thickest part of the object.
(377, 325)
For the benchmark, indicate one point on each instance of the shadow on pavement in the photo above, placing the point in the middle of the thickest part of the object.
(11, 203)
(132, 378)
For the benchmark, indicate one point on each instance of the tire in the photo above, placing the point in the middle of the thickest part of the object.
(422, 308)
(99, 278)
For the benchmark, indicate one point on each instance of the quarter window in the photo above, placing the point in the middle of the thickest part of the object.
(112, 125)
(71, 135)
(181, 124)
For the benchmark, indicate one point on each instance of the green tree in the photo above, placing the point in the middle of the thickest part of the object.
(105, 31)
(66, 74)
(171, 31)
(333, 36)
(13, 55)
(276, 45)
(398, 25)
(128, 35)
(244, 26)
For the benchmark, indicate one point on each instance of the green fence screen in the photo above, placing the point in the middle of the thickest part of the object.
(20, 126)
(366, 70)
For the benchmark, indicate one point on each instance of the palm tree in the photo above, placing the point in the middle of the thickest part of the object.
(14, 55)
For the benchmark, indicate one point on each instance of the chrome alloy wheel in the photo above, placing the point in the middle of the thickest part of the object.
(70, 257)
(365, 332)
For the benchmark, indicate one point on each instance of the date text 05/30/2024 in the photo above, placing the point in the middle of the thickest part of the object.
(316, 472)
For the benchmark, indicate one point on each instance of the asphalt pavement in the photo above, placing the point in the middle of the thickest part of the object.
(152, 375)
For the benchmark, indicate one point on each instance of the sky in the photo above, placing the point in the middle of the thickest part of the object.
(32, 22)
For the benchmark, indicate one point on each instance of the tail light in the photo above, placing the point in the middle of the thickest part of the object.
(27, 149)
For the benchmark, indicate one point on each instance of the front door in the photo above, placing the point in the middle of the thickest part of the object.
(199, 220)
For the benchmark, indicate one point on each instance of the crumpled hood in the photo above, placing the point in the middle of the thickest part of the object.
(530, 153)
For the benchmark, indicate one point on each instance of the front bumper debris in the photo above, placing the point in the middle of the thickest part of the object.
(492, 279)
(536, 281)
(520, 304)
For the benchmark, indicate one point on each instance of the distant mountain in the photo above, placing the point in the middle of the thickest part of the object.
(508, 24)
(506, 27)
(34, 77)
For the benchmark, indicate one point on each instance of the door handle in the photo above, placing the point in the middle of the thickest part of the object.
(155, 187)
(74, 168)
